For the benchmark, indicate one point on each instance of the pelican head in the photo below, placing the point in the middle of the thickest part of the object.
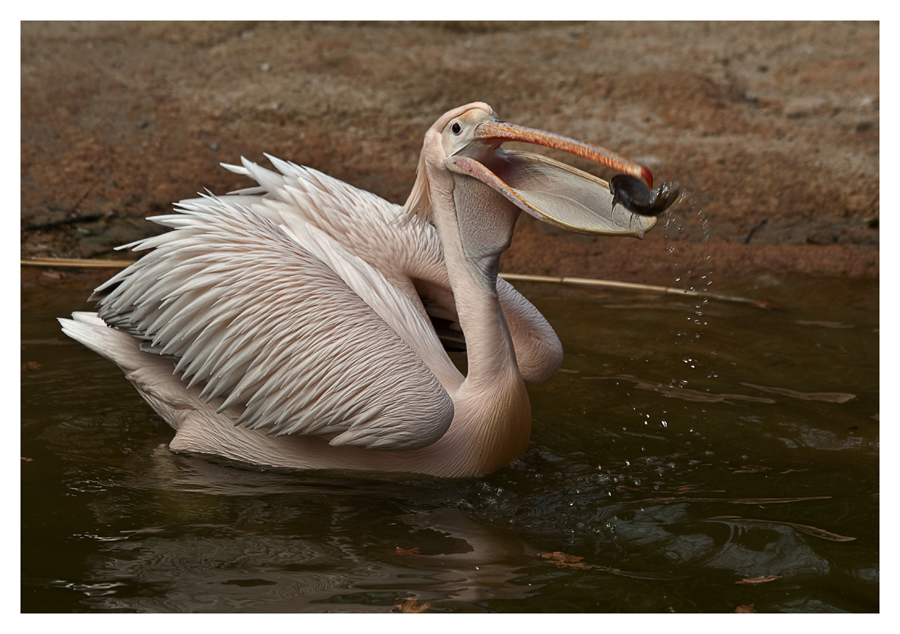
(464, 168)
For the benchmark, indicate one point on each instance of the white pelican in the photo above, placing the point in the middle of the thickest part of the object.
(292, 324)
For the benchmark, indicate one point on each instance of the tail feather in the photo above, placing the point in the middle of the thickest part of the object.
(110, 343)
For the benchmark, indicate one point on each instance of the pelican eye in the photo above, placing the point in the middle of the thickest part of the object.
(456, 128)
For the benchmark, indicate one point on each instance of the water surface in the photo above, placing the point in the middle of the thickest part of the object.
(692, 456)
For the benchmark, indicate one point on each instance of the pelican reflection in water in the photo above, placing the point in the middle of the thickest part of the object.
(295, 323)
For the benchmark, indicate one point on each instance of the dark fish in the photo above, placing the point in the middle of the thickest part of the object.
(636, 197)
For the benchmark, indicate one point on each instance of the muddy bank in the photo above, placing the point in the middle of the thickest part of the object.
(772, 127)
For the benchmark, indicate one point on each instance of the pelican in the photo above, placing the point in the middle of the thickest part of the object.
(296, 323)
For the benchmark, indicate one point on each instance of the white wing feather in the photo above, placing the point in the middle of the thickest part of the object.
(364, 224)
(260, 320)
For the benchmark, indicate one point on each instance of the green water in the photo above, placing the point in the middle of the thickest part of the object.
(696, 457)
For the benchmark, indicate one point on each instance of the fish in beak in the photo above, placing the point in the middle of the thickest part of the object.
(558, 193)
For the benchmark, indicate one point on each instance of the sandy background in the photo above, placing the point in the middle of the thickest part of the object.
(773, 128)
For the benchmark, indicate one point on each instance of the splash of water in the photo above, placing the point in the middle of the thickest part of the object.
(695, 269)
(686, 234)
